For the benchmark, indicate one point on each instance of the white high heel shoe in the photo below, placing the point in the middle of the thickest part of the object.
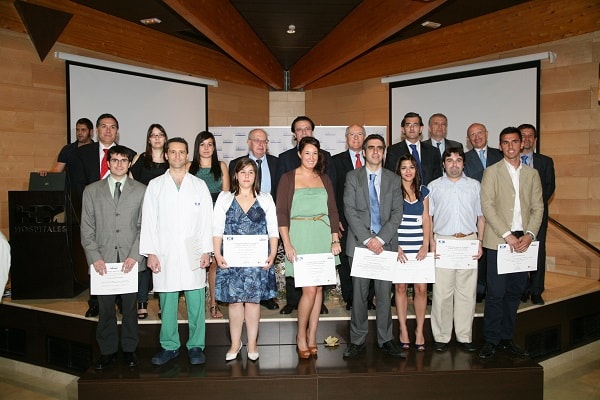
(233, 356)
(253, 356)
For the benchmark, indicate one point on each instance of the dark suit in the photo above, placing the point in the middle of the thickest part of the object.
(545, 167)
(358, 215)
(111, 232)
(271, 161)
(431, 162)
(344, 164)
(448, 144)
(474, 169)
(289, 160)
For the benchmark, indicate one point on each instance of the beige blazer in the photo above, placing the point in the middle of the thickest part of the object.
(497, 202)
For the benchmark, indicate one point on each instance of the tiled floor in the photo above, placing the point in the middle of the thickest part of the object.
(570, 376)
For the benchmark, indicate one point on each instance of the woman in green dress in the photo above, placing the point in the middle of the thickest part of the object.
(308, 224)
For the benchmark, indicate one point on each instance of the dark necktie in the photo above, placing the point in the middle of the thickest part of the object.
(439, 144)
(358, 163)
(104, 164)
(259, 177)
(374, 205)
(117, 192)
(415, 154)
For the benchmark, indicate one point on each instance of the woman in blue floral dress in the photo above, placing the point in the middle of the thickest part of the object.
(244, 211)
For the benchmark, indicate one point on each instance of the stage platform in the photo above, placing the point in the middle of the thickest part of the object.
(55, 334)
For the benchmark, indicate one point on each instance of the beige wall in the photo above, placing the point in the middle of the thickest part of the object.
(33, 110)
(570, 122)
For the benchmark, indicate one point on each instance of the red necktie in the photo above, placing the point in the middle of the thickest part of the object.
(104, 165)
(358, 163)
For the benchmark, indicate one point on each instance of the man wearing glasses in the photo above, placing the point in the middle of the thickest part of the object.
(428, 158)
(302, 126)
(258, 145)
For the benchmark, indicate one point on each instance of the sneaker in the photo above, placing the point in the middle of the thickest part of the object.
(164, 356)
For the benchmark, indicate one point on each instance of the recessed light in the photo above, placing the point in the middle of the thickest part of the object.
(291, 29)
(150, 21)
(431, 24)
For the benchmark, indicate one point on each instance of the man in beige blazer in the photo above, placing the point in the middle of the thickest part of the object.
(512, 220)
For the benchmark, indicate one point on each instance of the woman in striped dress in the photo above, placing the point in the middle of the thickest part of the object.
(413, 240)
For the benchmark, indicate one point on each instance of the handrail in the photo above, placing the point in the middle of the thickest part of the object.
(576, 236)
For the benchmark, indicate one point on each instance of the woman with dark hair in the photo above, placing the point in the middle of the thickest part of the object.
(308, 224)
(145, 167)
(244, 211)
(206, 166)
(413, 238)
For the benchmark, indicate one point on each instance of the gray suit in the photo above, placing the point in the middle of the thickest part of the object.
(358, 215)
(111, 232)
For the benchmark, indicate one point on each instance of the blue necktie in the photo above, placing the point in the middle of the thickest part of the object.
(524, 159)
(415, 154)
(374, 205)
(482, 157)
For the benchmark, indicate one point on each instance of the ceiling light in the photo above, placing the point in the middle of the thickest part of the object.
(291, 29)
(150, 21)
(431, 24)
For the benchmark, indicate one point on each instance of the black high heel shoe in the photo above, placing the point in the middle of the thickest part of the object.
(142, 309)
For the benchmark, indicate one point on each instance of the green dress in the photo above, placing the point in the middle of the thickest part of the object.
(310, 231)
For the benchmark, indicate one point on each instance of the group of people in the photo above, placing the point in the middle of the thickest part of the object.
(170, 215)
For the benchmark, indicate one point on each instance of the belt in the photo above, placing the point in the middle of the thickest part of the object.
(462, 235)
(315, 218)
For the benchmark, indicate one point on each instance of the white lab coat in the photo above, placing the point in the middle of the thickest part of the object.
(174, 221)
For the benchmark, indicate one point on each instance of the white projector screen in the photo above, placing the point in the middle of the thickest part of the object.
(498, 97)
(137, 101)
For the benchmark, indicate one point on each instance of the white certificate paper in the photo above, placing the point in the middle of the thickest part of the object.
(315, 270)
(366, 264)
(245, 250)
(114, 281)
(456, 254)
(414, 271)
(510, 262)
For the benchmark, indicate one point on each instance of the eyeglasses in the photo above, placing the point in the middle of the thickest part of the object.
(258, 141)
(157, 135)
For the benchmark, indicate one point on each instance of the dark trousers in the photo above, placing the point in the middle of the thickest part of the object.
(344, 270)
(535, 282)
(482, 273)
(502, 301)
(292, 293)
(107, 333)
(144, 281)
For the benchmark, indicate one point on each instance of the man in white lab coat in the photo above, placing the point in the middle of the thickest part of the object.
(176, 237)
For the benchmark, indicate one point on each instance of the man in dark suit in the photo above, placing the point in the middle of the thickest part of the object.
(90, 165)
(258, 144)
(110, 233)
(345, 162)
(438, 129)
(428, 159)
(373, 205)
(545, 167)
(513, 207)
(302, 126)
(476, 161)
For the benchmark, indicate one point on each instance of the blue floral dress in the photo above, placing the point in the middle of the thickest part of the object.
(245, 284)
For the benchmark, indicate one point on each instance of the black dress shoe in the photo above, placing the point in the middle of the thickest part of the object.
(104, 361)
(537, 299)
(371, 306)
(324, 309)
(287, 309)
(468, 346)
(439, 346)
(512, 347)
(391, 349)
(348, 306)
(353, 350)
(524, 297)
(130, 359)
(487, 351)
(92, 311)
(270, 304)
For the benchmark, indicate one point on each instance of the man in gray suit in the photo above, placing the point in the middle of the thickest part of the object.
(438, 130)
(373, 205)
(110, 233)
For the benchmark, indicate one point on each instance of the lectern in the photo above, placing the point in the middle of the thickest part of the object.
(47, 259)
